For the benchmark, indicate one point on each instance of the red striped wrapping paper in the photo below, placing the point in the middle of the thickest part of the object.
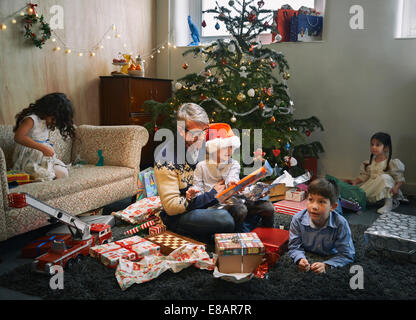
(289, 207)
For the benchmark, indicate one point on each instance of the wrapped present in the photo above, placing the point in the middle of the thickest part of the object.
(294, 195)
(140, 228)
(275, 242)
(133, 248)
(281, 23)
(238, 252)
(140, 211)
(42, 245)
(146, 184)
(306, 28)
(289, 207)
(393, 236)
(154, 230)
(17, 177)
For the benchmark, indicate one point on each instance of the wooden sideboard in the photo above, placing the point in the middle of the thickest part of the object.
(121, 103)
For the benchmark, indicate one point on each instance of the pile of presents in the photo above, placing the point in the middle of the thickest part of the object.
(304, 24)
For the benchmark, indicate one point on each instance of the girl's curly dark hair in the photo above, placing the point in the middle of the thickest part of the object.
(56, 105)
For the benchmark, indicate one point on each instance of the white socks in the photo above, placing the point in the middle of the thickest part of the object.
(389, 205)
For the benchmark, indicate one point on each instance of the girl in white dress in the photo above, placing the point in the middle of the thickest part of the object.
(382, 176)
(34, 153)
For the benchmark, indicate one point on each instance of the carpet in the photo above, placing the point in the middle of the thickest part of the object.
(383, 279)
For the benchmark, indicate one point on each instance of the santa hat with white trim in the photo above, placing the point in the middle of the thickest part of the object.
(220, 135)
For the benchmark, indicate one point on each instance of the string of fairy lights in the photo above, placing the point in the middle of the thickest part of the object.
(59, 45)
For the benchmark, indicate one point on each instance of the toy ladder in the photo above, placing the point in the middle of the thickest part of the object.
(22, 199)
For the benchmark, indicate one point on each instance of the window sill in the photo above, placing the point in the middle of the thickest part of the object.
(405, 38)
(278, 43)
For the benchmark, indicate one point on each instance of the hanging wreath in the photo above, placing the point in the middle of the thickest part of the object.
(31, 19)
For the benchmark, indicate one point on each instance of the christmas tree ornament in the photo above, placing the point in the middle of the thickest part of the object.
(217, 26)
(241, 97)
(286, 75)
(290, 161)
(273, 64)
(308, 133)
(276, 152)
(243, 72)
(231, 3)
(3, 27)
(231, 48)
(223, 61)
(288, 146)
(251, 93)
(13, 21)
(252, 16)
(233, 119)
(203, 24)
(68, 51)
(261, 105)
(185, 66)
(156, 128)
(56, 48)
(260, 3)
(220, 81)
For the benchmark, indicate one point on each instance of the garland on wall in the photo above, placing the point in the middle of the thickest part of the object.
(30, 18)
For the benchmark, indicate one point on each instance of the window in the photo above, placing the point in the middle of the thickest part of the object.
(406, 19)
(180, 9)
(210, 31)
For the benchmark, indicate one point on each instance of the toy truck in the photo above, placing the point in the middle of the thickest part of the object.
(63, 253)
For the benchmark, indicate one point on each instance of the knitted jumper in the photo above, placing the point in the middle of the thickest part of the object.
(174, 175)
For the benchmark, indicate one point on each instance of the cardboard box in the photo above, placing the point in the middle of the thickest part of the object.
(294, 195)
(279, 190)
(238, 252)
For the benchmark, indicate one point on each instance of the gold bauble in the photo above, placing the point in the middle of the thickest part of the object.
(286, 75)
(241, 97)
(233, 119)
(3, 27)
(220, 81)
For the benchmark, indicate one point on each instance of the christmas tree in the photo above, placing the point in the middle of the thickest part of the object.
(238, 86)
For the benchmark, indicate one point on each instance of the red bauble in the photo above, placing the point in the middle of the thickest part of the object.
(203, 24)
(273, 64)
(308, 133)
(251, 17)
(224, 62)
(185, 66)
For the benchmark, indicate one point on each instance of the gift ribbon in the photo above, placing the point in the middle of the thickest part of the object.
(33, 7)
(237, 239)
(127, 247)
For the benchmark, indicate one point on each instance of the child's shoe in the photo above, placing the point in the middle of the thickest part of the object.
(388, 206)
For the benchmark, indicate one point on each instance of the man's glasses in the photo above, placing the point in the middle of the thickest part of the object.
(194, 134)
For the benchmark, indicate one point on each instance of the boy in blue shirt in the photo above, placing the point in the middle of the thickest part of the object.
(321, 230)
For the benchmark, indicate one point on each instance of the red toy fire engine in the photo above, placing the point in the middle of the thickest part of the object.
(72, 250)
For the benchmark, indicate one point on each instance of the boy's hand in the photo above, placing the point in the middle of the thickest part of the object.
(318, 267)
(303, 265)
(191, 193)
(220, 186)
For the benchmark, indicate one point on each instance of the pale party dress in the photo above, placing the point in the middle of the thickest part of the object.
(32, 161)
(377, 183)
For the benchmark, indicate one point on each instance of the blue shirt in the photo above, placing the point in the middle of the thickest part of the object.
(334, 238)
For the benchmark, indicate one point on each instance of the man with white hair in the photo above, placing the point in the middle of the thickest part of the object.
(174, 169)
